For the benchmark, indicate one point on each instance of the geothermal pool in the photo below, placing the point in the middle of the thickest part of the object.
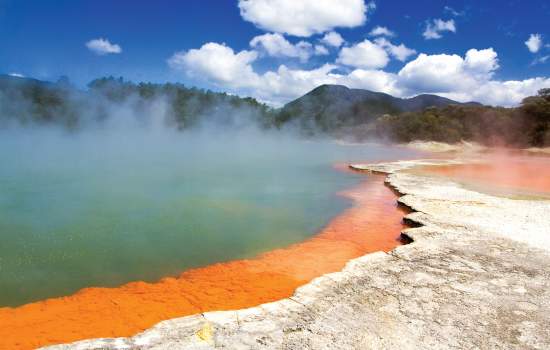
(102, 209)
(157, 225)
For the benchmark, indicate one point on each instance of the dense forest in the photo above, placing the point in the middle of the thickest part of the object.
(330, 110)
(526, 125)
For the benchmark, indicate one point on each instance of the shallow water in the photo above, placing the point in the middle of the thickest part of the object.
(103, 209)
(373, 223)
(507, 173)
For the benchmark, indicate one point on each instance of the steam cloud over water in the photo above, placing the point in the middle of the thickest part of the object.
(129, 196)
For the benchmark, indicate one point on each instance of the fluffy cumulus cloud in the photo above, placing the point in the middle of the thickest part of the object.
(432, 73)
(365, 54)
(481, 64)
(305, 17)
(381, 31)
(446, 73)
(435, 27)
(218, 64)
(333, 39)
(534, 43)
(277, 46)
(468, 78)
(103, 46)
(463, 78)
(400, 52)
(505, 93)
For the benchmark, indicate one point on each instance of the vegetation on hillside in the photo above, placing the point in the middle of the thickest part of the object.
(336, 108)
(526, 125)
(329, 109)
(32, 101)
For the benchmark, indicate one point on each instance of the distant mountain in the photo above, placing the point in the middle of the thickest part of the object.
(333, 107)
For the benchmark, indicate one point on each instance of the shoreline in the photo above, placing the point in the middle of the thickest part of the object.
(273, 275)
(477, 274)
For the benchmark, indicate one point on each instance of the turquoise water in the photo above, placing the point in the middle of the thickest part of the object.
(102, 209)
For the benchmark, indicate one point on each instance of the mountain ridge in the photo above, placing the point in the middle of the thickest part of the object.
(332, 107)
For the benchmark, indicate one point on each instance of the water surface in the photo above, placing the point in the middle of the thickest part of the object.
(501, 172)
(105, 208)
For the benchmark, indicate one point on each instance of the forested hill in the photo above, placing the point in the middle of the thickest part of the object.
(26, 101)
(332, 107)
(361, 114)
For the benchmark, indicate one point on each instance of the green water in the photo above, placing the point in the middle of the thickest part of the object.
(102, 209)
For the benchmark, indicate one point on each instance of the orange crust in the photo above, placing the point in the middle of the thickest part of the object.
(372, 224)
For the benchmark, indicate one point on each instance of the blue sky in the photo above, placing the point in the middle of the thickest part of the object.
(492, 51)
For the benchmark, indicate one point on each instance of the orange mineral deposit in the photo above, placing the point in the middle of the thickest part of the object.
(373, 223)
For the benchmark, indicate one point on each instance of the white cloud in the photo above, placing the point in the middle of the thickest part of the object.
(103, 46)
(304, 17)
(333, 39)
(400, 52)
(541, 60)
(445, 73)
(481, 64)
(375, 80)
(453, 12)
(218, 64)
(365, 54)
(17, 75)
(468, 78)
(435, 27)
(276, 45)
(506, 93)
(285, 83)
(432, 73)
(534, 43)
(321, 50)
(463, 78)
(371, 6)
(381, 31)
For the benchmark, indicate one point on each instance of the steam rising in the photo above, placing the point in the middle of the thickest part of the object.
(120, 189)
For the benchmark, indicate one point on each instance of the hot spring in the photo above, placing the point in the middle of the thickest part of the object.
(103, 208)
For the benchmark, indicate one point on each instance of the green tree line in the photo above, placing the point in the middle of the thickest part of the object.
(526, 125)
